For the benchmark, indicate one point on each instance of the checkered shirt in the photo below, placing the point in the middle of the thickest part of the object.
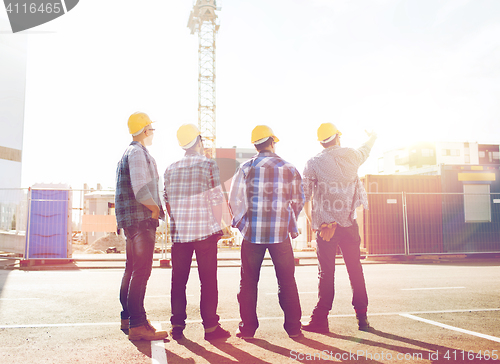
(136, 182)
(266, 198)
(192, 189)
(331, 180)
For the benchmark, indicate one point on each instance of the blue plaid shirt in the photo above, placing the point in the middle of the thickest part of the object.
(266, 198)
(136, 183)
(192, 191)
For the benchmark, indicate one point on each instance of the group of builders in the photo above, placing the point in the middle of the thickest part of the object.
(266, 196)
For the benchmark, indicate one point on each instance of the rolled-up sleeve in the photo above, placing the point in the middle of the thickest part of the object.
(216, 197)
(297, 198)
(308, 182)
(140, 177)
(363, 152)
(166, 183)
(237, 197)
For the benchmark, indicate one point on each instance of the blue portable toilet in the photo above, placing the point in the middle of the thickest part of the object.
(48, 234)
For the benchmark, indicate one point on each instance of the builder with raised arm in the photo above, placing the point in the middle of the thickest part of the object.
(333, 191)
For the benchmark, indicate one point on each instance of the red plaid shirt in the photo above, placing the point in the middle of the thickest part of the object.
(192, 189)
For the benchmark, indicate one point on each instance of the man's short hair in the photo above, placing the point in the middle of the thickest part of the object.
(138, 132)
(198, 140)
(260, 147)
(331, 143)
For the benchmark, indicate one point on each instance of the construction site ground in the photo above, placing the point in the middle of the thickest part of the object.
(433, 309)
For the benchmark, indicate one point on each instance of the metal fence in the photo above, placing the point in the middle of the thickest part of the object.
(13, 220)
(54, 223)
(431, 223)
(45, 223)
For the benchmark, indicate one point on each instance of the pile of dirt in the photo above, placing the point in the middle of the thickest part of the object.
(102, 244)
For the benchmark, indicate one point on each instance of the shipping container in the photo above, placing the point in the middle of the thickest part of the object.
(423, 225)
(471, 208)
(404, 215)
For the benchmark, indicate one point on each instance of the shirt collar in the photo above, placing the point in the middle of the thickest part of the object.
(190, 153)
(267, 153)
(139, 144)
(333, 147)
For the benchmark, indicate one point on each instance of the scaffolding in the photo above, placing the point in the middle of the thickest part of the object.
(203, 20)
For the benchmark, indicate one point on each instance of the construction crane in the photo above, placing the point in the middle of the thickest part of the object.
(203, 20)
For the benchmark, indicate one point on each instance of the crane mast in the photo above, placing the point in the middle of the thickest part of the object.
(203, 20)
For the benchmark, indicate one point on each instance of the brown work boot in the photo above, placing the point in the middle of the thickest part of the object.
(146, 332)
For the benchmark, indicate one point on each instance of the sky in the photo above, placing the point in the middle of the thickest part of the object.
(412, 70)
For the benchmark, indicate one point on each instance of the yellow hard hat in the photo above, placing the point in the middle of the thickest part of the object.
(137, 121)
(187, 135)
(262, 132)
(326, 131)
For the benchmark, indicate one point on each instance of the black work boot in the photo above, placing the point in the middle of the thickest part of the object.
(317, 325)
(218, 333)
(363, 323)
(177, 332)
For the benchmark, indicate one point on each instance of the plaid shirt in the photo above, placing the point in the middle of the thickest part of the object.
(266, 198)
(331, 180)
(192, 190)
(136, 183)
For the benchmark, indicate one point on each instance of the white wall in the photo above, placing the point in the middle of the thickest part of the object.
(474, 153)
(390, 166)
(10, 174)
(448, 159)
(13, 55)
(390, 156)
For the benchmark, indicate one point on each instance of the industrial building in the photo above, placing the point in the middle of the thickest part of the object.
(13, 57)
(427, 157)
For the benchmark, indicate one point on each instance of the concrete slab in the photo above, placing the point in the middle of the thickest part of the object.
(66, 316)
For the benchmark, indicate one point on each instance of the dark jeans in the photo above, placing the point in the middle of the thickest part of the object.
(140, 246)
(252, 256)
(206, 257)
(348, 240)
